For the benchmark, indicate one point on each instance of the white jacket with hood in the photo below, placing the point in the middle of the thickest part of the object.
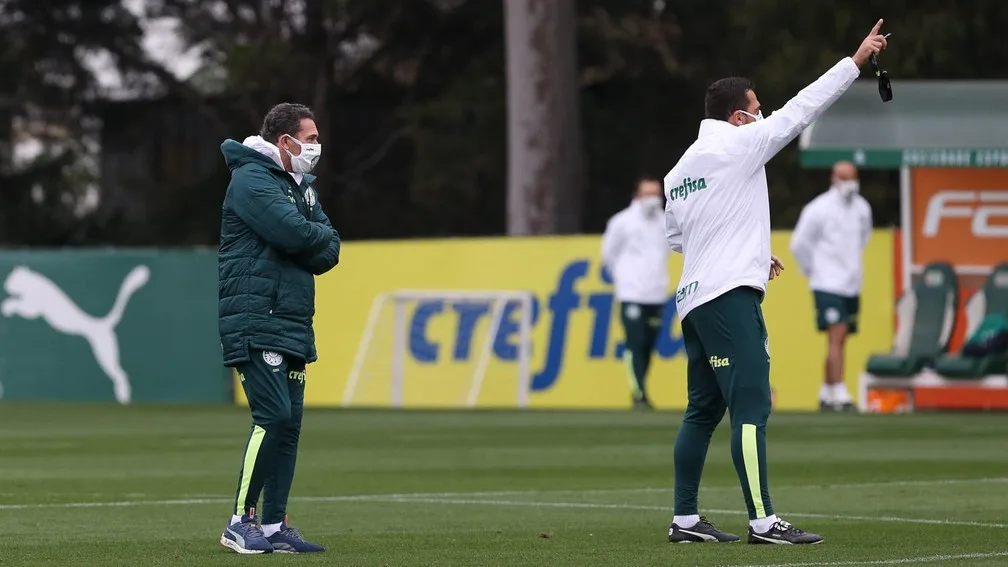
(718, 211)
(636, 254)
(829, 240)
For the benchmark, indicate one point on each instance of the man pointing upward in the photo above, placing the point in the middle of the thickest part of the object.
(718, 216)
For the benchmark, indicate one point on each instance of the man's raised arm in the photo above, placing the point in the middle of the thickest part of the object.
(772, 134)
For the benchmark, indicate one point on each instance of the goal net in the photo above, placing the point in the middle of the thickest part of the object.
(444, 348)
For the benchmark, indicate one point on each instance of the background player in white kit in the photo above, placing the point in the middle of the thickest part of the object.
(828, 243)
(636, 254)
(718, 216)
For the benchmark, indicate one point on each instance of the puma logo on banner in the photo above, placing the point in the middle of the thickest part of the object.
(32, 295)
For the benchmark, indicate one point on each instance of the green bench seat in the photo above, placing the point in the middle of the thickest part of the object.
(925, 316)
(991, 299)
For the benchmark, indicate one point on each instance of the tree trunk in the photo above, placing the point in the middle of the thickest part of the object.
(544, 128)
(6, 138)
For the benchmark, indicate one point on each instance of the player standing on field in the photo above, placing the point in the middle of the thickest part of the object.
(828, 243)
(718, 217)
(274, 240)
(636, 254)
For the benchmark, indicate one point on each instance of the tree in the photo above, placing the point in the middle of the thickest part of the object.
(544, 126)
(46, 84)
(50, 68)
(412, 100)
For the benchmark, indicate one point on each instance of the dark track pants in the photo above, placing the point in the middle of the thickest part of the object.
(274, 385)
(728, 367)
(641, 323)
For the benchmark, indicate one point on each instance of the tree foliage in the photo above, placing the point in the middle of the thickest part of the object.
(410, 97)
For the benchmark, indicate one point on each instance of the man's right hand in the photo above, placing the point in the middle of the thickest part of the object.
(874, 43)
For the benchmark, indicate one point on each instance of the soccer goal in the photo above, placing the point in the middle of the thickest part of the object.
(444, 348)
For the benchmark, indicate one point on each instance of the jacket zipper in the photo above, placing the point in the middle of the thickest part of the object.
(276, 295)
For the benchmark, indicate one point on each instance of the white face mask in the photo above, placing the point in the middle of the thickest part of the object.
(305, 162)
(651, 204)
(756, 117)
(848, 188)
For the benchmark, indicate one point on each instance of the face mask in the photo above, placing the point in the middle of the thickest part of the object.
(848, 188)
(757, 117)
(651, 205)
(310, 154)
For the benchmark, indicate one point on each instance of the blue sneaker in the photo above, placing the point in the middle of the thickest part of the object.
(288, 540)
(245, 537)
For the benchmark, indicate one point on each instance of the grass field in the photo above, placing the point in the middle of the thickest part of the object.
(110, 486)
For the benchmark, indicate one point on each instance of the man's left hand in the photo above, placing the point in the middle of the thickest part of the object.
(775, 266)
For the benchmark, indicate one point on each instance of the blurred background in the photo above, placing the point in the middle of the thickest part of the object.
(525, 123)
(473, 153)
(111, 112)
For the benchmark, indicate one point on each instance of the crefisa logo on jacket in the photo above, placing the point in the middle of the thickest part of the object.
(687, 187)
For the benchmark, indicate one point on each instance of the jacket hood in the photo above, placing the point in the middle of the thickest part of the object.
(255, 149)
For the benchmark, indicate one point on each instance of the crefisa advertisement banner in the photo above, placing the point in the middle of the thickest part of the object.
(141, 326)
(576, 336)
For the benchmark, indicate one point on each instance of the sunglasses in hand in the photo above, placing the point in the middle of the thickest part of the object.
(884, 86)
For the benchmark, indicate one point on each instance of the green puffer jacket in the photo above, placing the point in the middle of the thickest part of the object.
(274, 240)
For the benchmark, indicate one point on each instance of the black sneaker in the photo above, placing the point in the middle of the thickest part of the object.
(848, 407)
(783, 533)
(827, 407)
(642, 404)
(702, 532)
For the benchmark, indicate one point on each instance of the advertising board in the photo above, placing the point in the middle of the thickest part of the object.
(576, 359)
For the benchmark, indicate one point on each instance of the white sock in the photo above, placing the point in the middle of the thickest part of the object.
(235, 519)
(270, 529)
(763, 525)
(686, 522)
(840, 393)
(826, 394)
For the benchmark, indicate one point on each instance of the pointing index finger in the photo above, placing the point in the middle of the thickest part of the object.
(876, 28)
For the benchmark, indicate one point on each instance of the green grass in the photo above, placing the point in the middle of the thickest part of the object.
(494, 488)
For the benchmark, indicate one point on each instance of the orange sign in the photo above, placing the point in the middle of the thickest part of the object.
(960, 216)
(889, 400)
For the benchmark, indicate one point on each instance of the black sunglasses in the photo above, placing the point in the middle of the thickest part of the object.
(884, 86)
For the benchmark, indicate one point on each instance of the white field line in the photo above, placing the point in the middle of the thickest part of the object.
(895, 561)
(595, 505)
(435, 498)
(589, 491)
(205, 499)
(209, 498)
(116, 504)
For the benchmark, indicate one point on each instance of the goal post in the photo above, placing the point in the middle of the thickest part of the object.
(442, 348)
